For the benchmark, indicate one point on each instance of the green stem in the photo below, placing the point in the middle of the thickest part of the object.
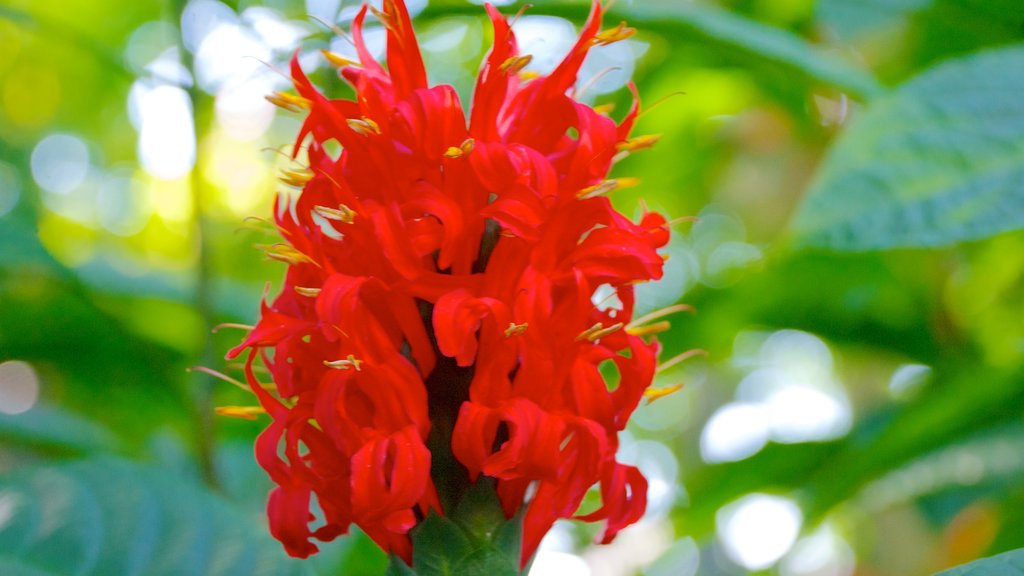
(202, 384)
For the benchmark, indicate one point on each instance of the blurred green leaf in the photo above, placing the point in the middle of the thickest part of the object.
(731, 32)
(850, 19)
(936, 162)
(110, 516)
(1007, 564)
(44, 427)
(826, 474)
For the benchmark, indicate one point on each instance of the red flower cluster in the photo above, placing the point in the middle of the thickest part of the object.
(441, 291)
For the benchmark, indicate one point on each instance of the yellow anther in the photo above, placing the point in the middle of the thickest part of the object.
(655, 328)
(284, 253)
(528, 75)
(310, 292)
(297, 178)
(637, 328)
(598, 331)
(605, 109)
(639, 143)
(363, 125)
(612, 35)
(290, 102)
(606, 187)
(515, 63)
(652, 394)
(350, 362)
(338, 60)
(247, 412)
(342, 213)
(515, 329)
(461, 150)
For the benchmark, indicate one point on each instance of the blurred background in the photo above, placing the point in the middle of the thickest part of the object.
(857, 272)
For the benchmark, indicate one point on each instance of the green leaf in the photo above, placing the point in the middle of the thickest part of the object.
(936, 162)
(50, 428)
(751, 39)
(111, 516)
(1007, 564)
(437, 545)
(851, 19)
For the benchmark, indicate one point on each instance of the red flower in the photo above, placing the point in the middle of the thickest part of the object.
(441, 284)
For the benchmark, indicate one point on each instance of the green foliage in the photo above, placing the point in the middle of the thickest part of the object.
(475, 541)
(934, 163)
(1007, 564)
(913, 212)
(112, 516)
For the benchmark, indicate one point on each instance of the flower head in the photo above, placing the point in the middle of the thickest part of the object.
(441, 318)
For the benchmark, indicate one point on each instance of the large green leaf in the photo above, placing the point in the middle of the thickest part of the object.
(936, 162)
(111, 516)
(1008, 564)
(53, 429)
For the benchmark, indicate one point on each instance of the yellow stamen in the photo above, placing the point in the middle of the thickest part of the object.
(606, 187)
(652, 394)
(528, 75)
(350, 362)
(342, 213)
(310, 292)
(338, 60)
(461, 150)
(285, 253)
(598, 331)
(655, 328)
(515, 63)
(612, 35)
(246, 412)
(659, 314)
(680, 358)
(363, 126)
(639, 143)
(219, 376)
(605, 109)
(290, 102)
(220, 327)
(297, 178)
(515, 329)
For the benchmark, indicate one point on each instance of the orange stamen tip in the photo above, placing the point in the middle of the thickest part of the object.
(461, 150)
(296, 178)
(342, 213)
(612, 35)
(220, 327)
(655, 328)
(606, 187)
(638, 143)
(284, 253)
(652, 394)
(598, 331)
(363, 125)
(516, 63)
(246, 412)
(290, 102)
(338, 60)
(515, 329)
(350, 362)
